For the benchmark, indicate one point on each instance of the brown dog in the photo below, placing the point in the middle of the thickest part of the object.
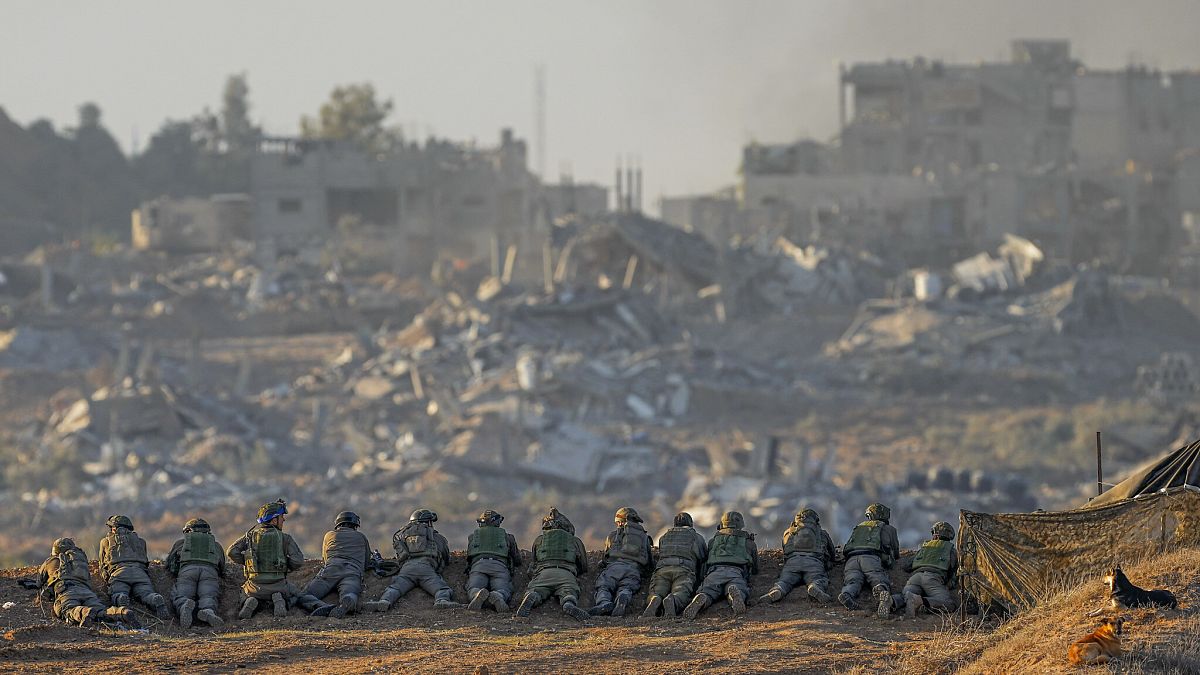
(1103, 644)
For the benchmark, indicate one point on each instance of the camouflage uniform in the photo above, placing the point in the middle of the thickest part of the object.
(492, 556)
(422, 553)
(809, 557)
(872, 549)
(732, 560)
(198, 563)
(559, 557)
(124, 564)
(681, 555)
(267, 554)
(934, 569)
(628, 556)
(65, 580)
(347, 555)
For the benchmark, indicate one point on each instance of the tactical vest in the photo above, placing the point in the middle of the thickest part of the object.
(934, 554)
(867, 536)
(415, 540)
(125, 546)
(488, 541)
(629, 543)
(72, 566)
(268, 562)
(729, 548)
(678, 547)
(199, 548)
(556, 549)
(805, 539)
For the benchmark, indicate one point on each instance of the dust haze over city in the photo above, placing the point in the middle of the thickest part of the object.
(678, 257)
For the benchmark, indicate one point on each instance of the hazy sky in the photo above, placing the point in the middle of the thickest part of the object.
(684, 84)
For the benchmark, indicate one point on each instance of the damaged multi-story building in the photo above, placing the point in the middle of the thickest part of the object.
(436, 197)
(934, 160)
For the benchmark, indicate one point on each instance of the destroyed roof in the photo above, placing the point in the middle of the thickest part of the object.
(1177, 468)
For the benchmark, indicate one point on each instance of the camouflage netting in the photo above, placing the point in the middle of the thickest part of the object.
(1017, 559)
(1174, 469)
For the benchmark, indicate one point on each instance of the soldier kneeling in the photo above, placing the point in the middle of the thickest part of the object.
(492, 556)
(934, 570)
(346, 553)
(628, 556)
(267, 554)
(422, 553)
(809, 557)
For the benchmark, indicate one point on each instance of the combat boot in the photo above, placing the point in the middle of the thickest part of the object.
(884, 599)
(622, 604)
(818, 594)
(278, 605)
(446, 603)
(602, 609)
(343, 607)
(669, 611)
(120, 599)
(324, 609)
(384, 603)
(526, 606)
(248, 608)
(160, 607)
(477, 600)
(652, 607)
(848, 601)
(497, 601)
(696, 606)
(572, 610)
(771, 596)
(120, 615)
(737, 601)
(210, 617)
(912, 603)
(185, 613)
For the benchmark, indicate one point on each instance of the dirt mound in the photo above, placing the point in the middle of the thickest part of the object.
(1155, 640)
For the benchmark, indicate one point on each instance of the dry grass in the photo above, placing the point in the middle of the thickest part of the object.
(1156, 641)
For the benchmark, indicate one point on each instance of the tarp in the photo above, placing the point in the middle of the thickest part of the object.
(1018, 559)
(1174, 469)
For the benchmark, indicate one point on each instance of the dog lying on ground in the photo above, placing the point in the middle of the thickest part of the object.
(1102, 644)
(1124, 594)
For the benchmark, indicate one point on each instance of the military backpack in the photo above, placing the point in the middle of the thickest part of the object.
(267, 562)
(489, 541)
(556, 548)
(201, 548)
(934, 554)
(729, 548)
(804, 539)
(125, 546)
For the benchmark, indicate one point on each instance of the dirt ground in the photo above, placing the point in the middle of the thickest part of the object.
(793, 636)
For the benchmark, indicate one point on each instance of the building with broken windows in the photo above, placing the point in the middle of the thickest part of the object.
(934, 160)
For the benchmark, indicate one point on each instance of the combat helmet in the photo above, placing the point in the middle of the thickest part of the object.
(271, 511)
(808, 514)
(347, 518)
(683, 519)
(943, 530)
(490, 517)
(62, 545)
(120, 521)
(732, 520)
(555, 520)
(423, 516)
(196, 525)
(879, 512)
(627, 514)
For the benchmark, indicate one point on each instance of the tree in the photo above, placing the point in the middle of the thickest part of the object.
(353, 113)
(89, 116)
(237, 131)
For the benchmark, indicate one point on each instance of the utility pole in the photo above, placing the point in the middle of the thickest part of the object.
(539, 111)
